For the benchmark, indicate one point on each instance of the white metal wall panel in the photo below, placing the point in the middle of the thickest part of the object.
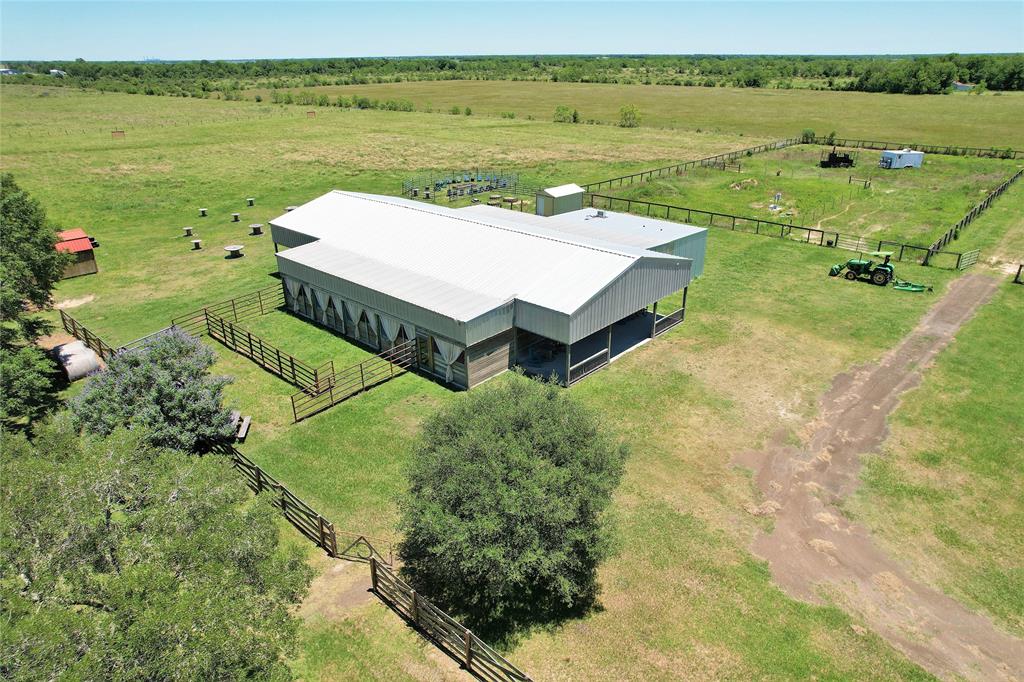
(692, 246)
(647, 281)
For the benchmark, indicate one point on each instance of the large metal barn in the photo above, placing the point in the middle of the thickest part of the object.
(480, 292)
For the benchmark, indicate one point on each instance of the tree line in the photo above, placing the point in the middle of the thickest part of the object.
(895, 74)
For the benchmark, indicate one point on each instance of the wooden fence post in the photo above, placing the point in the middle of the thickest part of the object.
(415, 608)
(467, 637)
(259, 297)
(373, 573)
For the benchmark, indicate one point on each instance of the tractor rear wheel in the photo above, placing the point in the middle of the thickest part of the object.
(880, 277)
(850, 275)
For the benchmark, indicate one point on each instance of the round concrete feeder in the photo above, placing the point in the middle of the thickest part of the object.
(188, 231)
(202, 213)
(257, 229)
(251, 201)
(234, 217)
(197, 244)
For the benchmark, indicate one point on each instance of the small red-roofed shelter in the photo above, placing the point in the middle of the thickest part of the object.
(77, 242)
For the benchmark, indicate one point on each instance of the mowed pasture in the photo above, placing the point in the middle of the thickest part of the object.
(962, 119)
(683, 597)
(913, 206)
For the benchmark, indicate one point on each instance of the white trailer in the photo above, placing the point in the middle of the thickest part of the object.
(901, 158)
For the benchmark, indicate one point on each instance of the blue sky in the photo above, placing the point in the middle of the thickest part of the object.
(241, 29)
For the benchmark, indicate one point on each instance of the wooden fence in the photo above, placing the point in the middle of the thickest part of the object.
(953, 233)
(771, 228)
(951, 150)
(334, 387)
(236, 309)
(718, 160)
(80, 332)
(305, 519)
(267, 356)
(447, 633)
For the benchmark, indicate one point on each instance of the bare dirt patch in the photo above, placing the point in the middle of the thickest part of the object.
(813, 547)
(340, 587)
(69, 303)
(51, 341)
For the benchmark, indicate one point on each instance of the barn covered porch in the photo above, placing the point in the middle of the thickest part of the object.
(544, 357)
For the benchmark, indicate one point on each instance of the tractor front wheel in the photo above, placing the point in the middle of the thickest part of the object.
(880, 277)
(850, 275)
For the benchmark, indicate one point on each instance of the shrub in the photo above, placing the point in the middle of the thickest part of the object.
(563, 114)
(807, 135)
(455, 110)
(508, 114)
(164, 389)
(629, 116)
(503, 522)
(468, 111)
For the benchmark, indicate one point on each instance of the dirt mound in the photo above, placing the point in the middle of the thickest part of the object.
(743, 184)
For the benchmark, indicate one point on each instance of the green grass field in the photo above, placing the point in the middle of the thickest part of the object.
(914, 206)
(683, 597)
(952, 119)
(945, 494)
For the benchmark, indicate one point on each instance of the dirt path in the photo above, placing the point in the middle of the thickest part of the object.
(813, 547)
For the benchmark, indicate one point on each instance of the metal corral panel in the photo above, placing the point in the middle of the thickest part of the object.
(649, 280)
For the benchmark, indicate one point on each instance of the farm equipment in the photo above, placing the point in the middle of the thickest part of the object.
(877, 273)
(865, 268)
(836, 159)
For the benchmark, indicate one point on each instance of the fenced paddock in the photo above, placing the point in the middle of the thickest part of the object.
(770, 228)
(448, 634)
(332, 387)
(238, 309)
(953, 233)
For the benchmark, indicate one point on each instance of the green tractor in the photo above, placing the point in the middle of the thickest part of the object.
(865, 268)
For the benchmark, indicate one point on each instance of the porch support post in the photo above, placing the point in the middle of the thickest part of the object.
(275, 247)
(610, 342)
(654, 320)
(682, 314)
(568, 362)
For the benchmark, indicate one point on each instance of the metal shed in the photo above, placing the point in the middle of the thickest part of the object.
(561, 199)
(78, 243)
(480, 293)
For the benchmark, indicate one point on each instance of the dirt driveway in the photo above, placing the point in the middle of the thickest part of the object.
(813, 548)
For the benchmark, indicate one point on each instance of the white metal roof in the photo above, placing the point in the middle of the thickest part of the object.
(615, 229)
(450, 261)
(563, 190)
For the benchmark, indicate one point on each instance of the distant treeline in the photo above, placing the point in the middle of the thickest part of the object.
(912, 75)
